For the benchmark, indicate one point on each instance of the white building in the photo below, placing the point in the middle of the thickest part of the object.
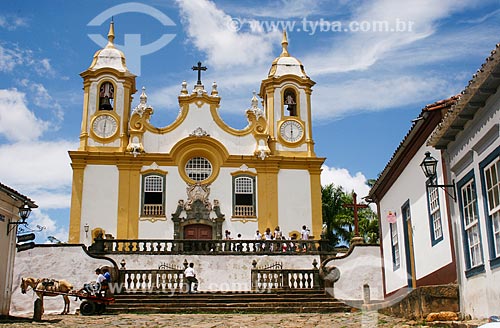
(196, 177)
(469, 139)
(416, 237)
(11, 202)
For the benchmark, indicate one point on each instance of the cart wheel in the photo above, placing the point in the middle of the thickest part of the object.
(100, 308)
(87, 308)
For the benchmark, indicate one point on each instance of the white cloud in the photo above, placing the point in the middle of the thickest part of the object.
(39, 169)
(342, 177)
(17, 122)
(374, 94)
(12, 56)
(361, 50)
(281, 9)
(12, 22)
(212, 31)
(51, 228)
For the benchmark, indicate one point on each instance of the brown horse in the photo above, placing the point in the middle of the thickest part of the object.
(48, 287)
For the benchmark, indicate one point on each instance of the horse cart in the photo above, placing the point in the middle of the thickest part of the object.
(93, 304)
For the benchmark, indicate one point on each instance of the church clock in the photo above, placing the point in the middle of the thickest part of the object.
(104, 126)
(291, 131)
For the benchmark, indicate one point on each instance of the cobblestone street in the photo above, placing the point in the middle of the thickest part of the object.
(347, 320)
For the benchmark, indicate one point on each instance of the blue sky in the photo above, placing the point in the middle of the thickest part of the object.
(370, 83)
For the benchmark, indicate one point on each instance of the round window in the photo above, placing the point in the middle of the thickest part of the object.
(198, 169)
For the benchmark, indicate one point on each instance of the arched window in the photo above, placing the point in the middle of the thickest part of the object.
(290, 101)
(244, 196)
(106, 96)
(153, 195)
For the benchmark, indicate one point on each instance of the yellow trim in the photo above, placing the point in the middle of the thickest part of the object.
(206, 147)
(240, 172)
(127, 226)
(154, 171)
(316, 203)
(267, 196)
(288, 143)
(75, 215)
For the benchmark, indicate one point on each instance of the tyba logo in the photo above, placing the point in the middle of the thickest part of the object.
(132, 46)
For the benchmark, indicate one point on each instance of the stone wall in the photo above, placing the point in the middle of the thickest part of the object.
(424, 300)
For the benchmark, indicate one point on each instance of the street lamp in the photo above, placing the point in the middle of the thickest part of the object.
(24, 213)
(429, 166)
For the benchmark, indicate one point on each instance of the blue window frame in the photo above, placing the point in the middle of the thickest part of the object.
(434, 210)
(471, 232)
(490, 182)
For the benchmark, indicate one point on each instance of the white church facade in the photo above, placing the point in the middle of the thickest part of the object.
(196, 177)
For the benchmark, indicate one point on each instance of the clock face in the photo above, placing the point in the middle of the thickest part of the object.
(291, 131)
(104, 126)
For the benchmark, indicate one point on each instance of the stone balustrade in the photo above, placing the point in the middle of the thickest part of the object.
(226, 247)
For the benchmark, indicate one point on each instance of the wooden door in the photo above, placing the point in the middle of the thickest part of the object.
(198, 231)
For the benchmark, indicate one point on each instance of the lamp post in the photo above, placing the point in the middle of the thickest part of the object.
(429, 167)
(24, 213)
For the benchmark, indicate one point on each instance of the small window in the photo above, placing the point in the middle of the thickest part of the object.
(153, 196)
(198, 169)
(434, 212)
(106, 96)
(396, 258)
(244, 196)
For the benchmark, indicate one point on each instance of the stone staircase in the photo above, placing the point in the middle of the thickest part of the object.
(295, 301)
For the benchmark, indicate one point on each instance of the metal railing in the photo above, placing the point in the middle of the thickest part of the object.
(275, 277)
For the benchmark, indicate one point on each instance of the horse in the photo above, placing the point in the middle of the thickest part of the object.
(48, 287)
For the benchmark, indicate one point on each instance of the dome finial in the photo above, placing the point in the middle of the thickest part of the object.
(111, 34)
(284, 44)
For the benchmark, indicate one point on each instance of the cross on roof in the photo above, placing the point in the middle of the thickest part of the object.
(355, 206)
(199, 68)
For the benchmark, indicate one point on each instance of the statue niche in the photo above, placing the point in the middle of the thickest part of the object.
(197, 210)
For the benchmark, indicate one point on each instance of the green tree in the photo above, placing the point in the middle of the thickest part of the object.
(339, 220)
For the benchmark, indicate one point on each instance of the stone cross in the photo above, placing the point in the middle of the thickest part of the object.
(199, 68)
(355, 206)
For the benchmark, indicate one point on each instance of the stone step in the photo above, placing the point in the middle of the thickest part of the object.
(233, 302)
(229, 309)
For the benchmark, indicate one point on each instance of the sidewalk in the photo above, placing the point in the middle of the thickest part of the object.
(344, 320)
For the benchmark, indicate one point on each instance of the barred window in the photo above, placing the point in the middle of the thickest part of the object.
(471, 225)
(198, 169)
(434, 213)
(153, 196)
(244, 196)
(492, 182)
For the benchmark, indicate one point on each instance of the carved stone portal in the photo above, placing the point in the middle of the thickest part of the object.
(198, 210)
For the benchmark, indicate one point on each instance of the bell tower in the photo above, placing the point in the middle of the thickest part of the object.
(108, 87)
(287, 103)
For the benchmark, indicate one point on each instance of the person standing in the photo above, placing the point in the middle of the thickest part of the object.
(257, 236)
(304, 236)
(190, 276)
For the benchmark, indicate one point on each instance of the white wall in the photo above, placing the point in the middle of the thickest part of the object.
(294, 200)
(480, 293)
(99, 199)
(411, 186)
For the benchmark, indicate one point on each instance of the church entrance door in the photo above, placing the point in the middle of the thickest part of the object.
(198, 231)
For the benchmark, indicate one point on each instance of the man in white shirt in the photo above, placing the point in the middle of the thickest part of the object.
(304, 236)
(190, 276)
(257, 236)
